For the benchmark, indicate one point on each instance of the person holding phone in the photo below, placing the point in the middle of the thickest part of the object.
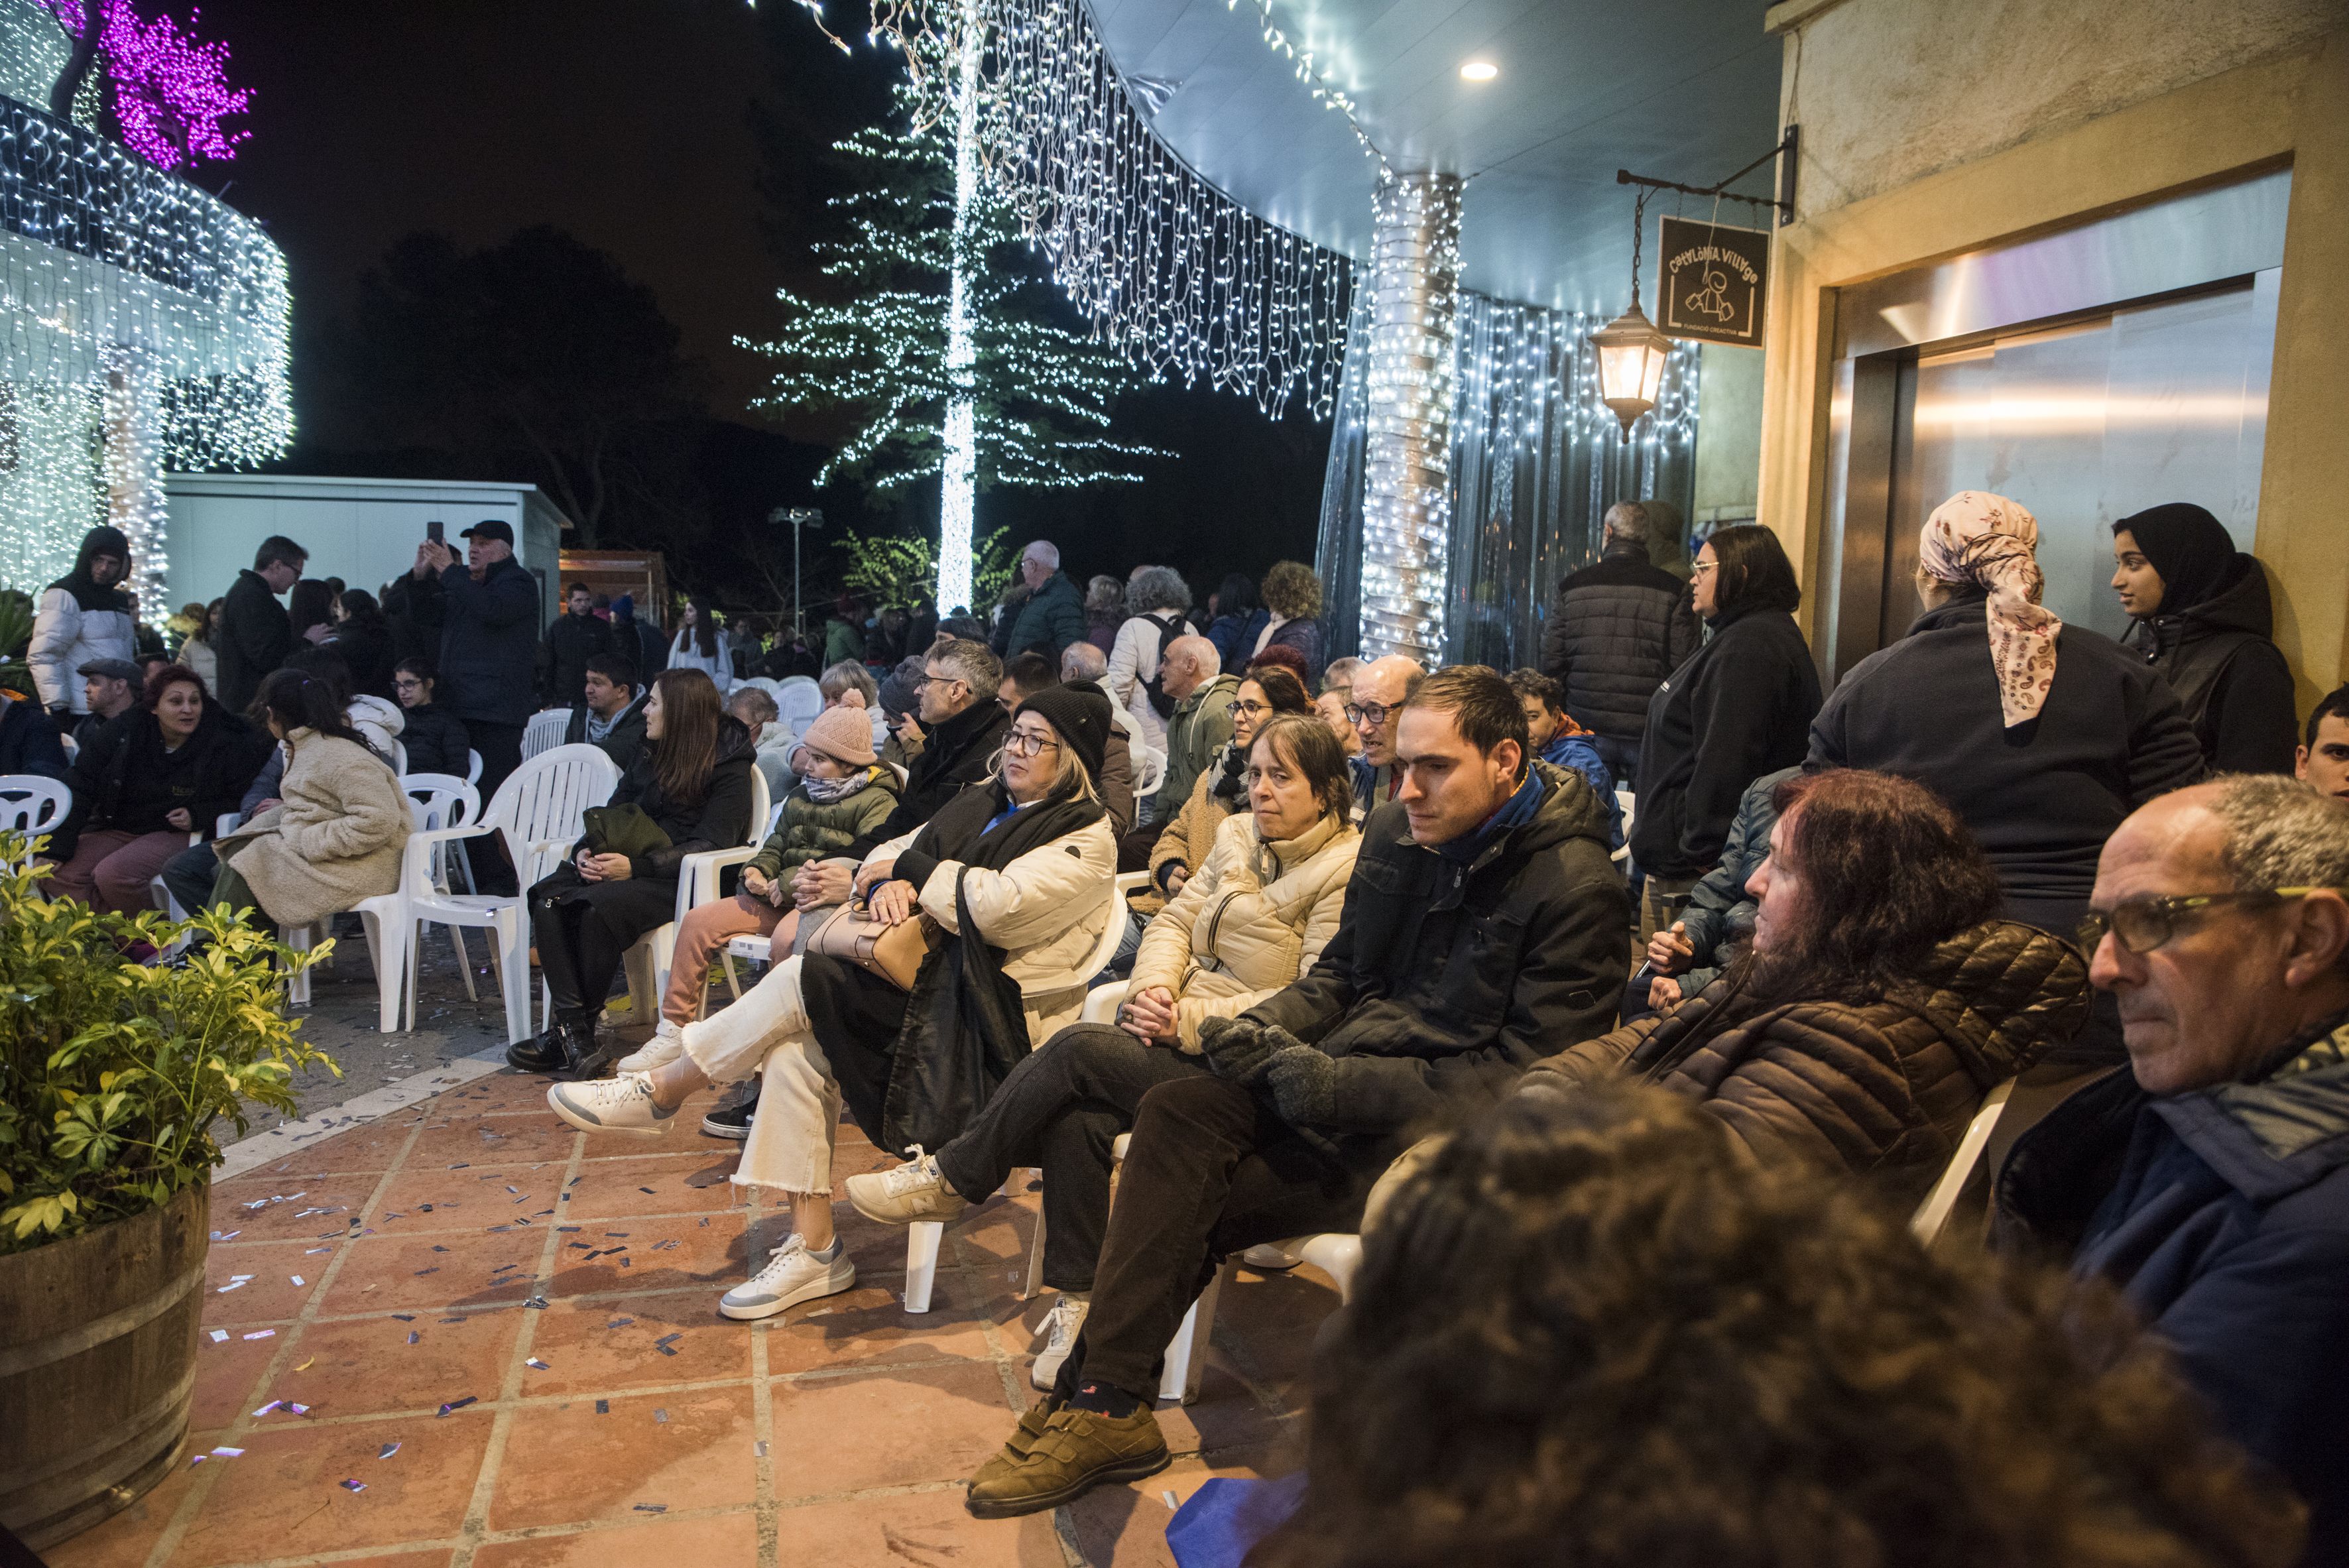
(488, 615)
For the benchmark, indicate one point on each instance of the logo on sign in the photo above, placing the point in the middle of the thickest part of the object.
(1714, 279)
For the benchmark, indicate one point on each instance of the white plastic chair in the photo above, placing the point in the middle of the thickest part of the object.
(1149, 769)
(32, 804)
(647, 959)
(473, 767)
(1631, 804)
(399, 757)
(798, 700)
(544, 731)
(538, 810)
(1926, 1224)
(923, 1236)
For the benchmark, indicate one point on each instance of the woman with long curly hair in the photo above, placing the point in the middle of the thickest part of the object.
(1590, 1332)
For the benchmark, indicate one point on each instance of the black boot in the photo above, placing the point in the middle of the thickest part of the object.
(540, 1053)
(576, 1034)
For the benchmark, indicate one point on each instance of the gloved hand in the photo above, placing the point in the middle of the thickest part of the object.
(1236, 1047)
(1303, 1084)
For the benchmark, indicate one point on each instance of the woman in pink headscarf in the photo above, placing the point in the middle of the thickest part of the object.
(2043, 736)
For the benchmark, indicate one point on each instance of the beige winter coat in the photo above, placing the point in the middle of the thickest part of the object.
(336, 839)
(1046, 910)
(1249, 921)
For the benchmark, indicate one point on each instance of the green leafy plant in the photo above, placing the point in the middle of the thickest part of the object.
(890, 569)
(15, 640)
(114, 1074)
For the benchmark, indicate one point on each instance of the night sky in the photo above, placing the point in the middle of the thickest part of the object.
(631, 126)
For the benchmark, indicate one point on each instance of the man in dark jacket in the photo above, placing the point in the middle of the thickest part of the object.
(611, 712)
(576, 636)
(2210, 1180)
(254, 635)
(1483, 928)
(1617, 628)
(1053, 614)
(28, 742)
(489, 642)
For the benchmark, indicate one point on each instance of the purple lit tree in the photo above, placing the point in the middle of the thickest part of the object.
(170, 91)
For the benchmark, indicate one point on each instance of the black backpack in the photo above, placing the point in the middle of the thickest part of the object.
(1169, 628)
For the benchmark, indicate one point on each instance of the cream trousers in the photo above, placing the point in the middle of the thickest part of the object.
(767, 1033)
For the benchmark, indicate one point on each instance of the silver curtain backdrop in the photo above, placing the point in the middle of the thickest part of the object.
(1537, 460)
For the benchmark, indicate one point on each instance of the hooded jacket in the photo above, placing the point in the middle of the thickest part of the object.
(2223, 1216)
(1256, 917)
(125, 780)
(78, 621)
(1885, 1085)
(2230, 678)
(1618, 627)
(956, 752)
(1740, 707)
(1451, 974)
(2042, 797)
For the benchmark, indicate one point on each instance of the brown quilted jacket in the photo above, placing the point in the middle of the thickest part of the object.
(1885, 1085)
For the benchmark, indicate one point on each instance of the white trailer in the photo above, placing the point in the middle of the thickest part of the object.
(364, 532)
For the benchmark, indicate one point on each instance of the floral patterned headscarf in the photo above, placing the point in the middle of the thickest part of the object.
(1976, 539)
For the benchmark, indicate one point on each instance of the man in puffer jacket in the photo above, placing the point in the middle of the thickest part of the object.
(83, 616)
(1617, 628)
(1483, 927)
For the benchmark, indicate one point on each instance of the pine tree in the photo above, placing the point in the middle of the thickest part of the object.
(878, 354)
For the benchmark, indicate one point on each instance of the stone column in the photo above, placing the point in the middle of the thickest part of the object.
(1414, 283)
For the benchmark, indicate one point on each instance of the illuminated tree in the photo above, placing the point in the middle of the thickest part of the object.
(170, 91)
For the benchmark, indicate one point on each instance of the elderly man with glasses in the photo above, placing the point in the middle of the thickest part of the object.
(2209, 1181)
(1381, 690)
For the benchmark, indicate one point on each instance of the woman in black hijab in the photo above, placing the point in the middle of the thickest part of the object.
(2203, 621)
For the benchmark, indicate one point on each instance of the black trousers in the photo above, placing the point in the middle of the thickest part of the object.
(856, 1016)
(189, 874)
(1062, 1109)
(500, 748)
(1210, 1172)
(583, 929)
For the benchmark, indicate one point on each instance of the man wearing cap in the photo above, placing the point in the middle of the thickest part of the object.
(83, 616)
(109, 686)
(488, 642)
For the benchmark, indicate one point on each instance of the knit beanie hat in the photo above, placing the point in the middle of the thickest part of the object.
(843, 734)
(1079, 713)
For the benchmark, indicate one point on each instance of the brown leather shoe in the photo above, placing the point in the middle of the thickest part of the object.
(1023, 1438)
(1071, 1452)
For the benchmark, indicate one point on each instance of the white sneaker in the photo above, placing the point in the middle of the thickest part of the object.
(667, 1044)
(793, 1274)
(1061, 1336)
(612, 1105)
(1269, 1257)
(914, 1190)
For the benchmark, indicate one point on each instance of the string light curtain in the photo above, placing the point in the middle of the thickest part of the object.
(1536, 462)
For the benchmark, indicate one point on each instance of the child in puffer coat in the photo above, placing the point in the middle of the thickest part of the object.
(845, 792)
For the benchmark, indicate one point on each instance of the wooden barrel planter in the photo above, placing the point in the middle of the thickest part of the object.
(98, 1366)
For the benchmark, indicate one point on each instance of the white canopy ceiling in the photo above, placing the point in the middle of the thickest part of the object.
(1681, 89)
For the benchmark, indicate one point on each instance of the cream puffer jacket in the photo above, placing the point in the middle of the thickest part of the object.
(1045, 910)
(1253, 919)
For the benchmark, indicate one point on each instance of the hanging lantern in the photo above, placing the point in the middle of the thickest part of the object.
(1631, 355)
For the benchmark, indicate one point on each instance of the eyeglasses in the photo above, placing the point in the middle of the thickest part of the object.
(2142, 924)
(930, 680)
(1025, 743)
(1702, 567)
(1376, 712)
(1236, 707)
(408, 685)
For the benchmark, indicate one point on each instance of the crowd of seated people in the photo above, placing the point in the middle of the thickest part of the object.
(1628, 1140)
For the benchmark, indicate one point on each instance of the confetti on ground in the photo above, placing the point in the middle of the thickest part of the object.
(541, 1366)
(386, 1451)
(196, 1460)
(603, 1406)
(307, 1251)
(267, 1409)
(536, 1303)
(405, 1316)
(219, 1334)
(566, 1230)
(652, 1508)
(620, 1323)
(459, 1404)
(661, 1416)
(307, 1365)
(261, 1333)
(227, 1235)
(233, 1284)
(230, 1453)
(644, 1189)
(298, 1279)
(419, 1273)
(1171, 1503)
(760, 1447)
(299, 1409)
(413, 1336)
(349, 1485)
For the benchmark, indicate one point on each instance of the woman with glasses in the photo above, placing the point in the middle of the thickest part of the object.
(1026, 865)
(1881, 998)
(435, 738)
(1740, 706)
(1222, 786)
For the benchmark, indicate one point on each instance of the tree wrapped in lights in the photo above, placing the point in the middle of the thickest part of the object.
(170, 91)
(1039, 395)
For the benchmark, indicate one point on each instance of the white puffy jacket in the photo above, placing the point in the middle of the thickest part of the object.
(1253, 919)
(1046, 910)
(66, 636)
(379, 723)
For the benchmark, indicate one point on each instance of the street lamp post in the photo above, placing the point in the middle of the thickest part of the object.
(798, 517)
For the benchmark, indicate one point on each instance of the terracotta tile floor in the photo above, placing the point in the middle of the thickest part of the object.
(391, 1268)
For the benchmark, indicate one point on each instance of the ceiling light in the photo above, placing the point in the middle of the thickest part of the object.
(1479, 71)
